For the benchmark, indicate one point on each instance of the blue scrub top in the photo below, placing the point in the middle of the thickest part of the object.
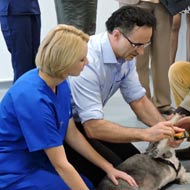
(32, 118)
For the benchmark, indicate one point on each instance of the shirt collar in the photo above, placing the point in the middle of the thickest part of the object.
(107, 51)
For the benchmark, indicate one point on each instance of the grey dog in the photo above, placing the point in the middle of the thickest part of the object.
(152, 170)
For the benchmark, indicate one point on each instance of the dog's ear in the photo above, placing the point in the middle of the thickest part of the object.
(151, 148)
(150, 145)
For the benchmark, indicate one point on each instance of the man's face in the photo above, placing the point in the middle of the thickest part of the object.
(130, 45)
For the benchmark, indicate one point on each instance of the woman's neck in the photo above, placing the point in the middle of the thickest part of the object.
(52, 82)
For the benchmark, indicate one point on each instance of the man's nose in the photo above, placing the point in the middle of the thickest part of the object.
(140, 50)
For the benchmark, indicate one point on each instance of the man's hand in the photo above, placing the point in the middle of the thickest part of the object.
(161, 130)
(174, 143)
(184, 123)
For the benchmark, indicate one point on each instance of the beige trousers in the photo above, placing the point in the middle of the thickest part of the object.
(157, 55)
(179, 77)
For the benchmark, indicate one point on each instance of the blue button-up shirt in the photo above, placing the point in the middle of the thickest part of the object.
(101, 78)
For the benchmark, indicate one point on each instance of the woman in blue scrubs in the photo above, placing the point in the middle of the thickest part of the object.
(35, 120)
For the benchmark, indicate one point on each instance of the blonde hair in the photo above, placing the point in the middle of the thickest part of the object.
(60, 49)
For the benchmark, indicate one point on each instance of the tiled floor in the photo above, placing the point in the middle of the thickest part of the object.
(118, 111)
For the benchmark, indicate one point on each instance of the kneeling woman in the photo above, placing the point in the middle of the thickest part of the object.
(35, 120)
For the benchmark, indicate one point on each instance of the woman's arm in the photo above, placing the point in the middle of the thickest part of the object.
(77, 141)
(66, 171)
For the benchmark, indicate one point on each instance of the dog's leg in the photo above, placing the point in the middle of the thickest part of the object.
(185, 178)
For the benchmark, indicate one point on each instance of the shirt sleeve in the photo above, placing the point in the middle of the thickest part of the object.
(131, 88)
(86, 94)
(38, 121)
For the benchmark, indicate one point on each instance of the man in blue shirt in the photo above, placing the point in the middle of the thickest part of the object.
(112, 66)
(20, 25)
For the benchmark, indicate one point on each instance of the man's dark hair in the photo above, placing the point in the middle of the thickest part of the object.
(127, 17)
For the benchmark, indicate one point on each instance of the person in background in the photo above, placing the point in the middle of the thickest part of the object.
(21, 24)
(35, 117)
(112, 67)
(175, 35)
(81, 14)
(156, 57)
(179, 77)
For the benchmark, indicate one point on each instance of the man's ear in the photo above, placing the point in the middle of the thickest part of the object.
(116, 34)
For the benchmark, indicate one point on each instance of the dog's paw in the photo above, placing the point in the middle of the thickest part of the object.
(185, 178)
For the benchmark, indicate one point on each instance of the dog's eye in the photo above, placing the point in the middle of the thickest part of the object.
(167, 154)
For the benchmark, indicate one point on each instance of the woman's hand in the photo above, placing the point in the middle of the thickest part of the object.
(114, 174)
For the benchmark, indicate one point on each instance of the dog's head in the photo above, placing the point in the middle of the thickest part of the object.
(160, 149)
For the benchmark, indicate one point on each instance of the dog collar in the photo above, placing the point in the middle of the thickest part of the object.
(171, 164)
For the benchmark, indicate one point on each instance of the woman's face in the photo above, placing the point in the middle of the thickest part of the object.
(77, 67)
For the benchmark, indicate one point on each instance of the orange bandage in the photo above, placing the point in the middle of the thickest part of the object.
(181, 135)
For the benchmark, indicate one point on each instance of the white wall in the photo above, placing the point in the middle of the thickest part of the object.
(48, 16)
(181, 52)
